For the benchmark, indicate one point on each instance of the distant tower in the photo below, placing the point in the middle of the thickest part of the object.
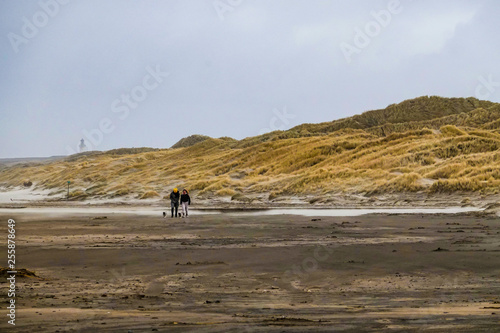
(82, 146)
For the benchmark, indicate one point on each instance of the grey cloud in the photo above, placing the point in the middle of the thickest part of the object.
(227, 76)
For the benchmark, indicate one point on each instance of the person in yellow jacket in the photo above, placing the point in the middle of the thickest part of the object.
(174, 201)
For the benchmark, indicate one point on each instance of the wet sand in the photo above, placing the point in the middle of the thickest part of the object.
(283, 273)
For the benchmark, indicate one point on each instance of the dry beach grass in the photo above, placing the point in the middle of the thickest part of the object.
(429, 144)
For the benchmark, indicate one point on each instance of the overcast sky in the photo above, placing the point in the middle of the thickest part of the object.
(146, 73)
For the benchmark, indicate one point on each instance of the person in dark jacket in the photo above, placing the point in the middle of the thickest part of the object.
(174, 201)
(185, 202)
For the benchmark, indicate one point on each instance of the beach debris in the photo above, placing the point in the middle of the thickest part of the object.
(20, 273)
(440, 250)
(201, 263)
(210, 302)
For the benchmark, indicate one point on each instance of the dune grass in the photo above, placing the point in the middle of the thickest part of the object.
(447, 147)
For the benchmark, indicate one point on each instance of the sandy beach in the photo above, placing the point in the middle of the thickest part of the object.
(256, 273)
(340, 161)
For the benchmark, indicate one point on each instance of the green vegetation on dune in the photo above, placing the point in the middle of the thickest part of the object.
(190, 140)
(419, 109)
(430, 144)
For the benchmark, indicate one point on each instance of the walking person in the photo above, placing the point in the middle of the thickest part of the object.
(174, 201)
(185, 202)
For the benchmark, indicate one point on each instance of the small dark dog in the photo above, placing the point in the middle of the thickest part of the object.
(164, 214)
